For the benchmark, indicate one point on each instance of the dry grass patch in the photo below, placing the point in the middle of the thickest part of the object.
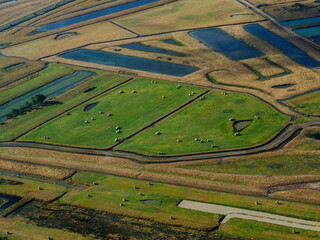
(44, 171)
(263, 67)
(22, 8)
(302, 195)
(98, 32)
(187, 14)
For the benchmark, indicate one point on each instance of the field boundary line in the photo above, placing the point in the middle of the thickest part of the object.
(77, 105)
(162, 118)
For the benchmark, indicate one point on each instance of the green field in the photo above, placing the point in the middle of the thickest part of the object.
(23, 231)
(308, 104)
(16, 127)
(264, 231)
(12, 69)
(29, 188)
(208, 119)
(53, 72)
(110, 191)
(267, 166)
(130, 111)
(107, 192)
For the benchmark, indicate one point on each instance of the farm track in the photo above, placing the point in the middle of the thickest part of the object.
(274, 21)
(280, 140)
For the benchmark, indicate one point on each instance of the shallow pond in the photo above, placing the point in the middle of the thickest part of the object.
(146, 48)
(151, 202)
(10, 200)
(308, 32)
(123, 61)
(50, 90)
(90, 106)
(288, 48)
(283, 86)
(226, 44)
(240, 125)
(93, 15)
(7, 2)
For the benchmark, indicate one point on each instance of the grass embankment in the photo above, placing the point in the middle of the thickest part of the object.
(308, 104)
(38, 170)
(264, 231)
(23, 231)
(185, 15)
(173, 41)
(110, 191)
(12, 69)
(31, 188)
(53, 72)
(130, 111)
(16, 127)
(208, 119)
(291, 165)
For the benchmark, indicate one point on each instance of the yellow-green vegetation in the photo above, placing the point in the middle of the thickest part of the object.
(109, 192)
(186, 14)
(22, 8)
(210, 124)
(23, 231)
(131, 106)
(267, 166)
(103, 31)
(16, 127)
(53, 72)
(264, 231)
(12, 69)
(30, 188)
(307, 104)
(308, 140)
(45, 171)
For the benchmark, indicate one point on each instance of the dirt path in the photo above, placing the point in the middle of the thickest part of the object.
(280, 140)
(232, 212)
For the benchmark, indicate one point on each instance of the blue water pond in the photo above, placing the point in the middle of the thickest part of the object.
(93, 15)
(50, 90)
(288, 48)
(226, 44)
(123, 61)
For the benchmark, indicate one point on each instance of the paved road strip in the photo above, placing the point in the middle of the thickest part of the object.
(231, 212)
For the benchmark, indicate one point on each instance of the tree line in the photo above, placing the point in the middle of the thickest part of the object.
(27, 106)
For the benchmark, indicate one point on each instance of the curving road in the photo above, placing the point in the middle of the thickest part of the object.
(279, 140)
(232, 212)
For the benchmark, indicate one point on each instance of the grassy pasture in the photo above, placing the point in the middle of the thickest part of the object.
(130, 111)
(186, 14)
(25, 231)
(16, 127)
(12, 69)
(111, 190)
(29, 188)
(264, 231)
(53, 72)
(208, 119)
(308, 104)
(291, 165)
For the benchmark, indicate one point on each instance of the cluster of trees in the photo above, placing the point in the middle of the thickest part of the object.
(28, 106)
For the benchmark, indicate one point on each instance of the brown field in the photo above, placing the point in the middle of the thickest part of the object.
(264, 68)
(22, 8)
(311, 10)
(187, 14)
(44, 171)
(103, 31)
